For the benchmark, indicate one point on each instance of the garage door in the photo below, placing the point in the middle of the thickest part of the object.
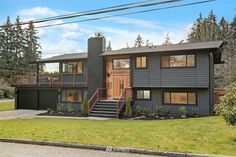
(27, 99)
(48, 99)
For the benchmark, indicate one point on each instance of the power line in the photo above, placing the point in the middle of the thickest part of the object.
(130, 13)
(116, 6)
(98, 12)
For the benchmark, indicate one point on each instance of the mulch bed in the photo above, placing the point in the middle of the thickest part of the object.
(161, 117)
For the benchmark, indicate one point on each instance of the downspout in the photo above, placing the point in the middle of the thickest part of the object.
(211, 83)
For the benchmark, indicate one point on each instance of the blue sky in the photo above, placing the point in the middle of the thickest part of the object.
(120, 31)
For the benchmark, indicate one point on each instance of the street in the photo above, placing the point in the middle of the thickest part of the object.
(27, 150)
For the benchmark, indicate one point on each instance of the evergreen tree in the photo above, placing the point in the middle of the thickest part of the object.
(138, 41)
(213, 27)
(7, 48)
(224, 29)
(147, 43)
(167, 40)
(33, 48)
(196, 30)
(19, 45)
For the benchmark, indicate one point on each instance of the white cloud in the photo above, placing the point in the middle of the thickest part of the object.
(37, 11)
(73, 37)
(120, 37)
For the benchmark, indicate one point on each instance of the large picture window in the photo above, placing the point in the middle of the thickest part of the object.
(141, 62)
(71, 95)
(178, 61)
(121, 63)
(143, 94)
(181, 98)
(72, 67)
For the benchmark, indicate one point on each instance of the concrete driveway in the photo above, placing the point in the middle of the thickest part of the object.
(5, 115)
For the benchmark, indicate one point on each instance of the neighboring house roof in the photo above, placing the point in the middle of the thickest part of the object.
(166, 48)
(69, 56)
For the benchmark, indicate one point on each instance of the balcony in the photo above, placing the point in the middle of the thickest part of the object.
(53, 80)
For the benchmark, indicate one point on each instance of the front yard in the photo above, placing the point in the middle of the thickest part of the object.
(6, 106)
(209, 135)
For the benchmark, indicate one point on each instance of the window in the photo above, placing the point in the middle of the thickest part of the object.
(72, 67)
(144, 94)
(178, 61)
(120, 63)
(141, 62)
(71, 95)
(182, 98)
(80, 68)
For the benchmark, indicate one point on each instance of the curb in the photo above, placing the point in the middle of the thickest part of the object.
(107, 148)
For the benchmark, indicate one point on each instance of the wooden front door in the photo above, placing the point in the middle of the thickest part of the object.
(120, 82)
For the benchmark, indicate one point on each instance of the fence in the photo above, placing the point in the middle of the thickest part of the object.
(218, 93)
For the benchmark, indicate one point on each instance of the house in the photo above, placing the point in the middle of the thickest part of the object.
(167, 76)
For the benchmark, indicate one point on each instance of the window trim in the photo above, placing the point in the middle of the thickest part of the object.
(179, 67)
(119, 68)
(141, 67)
(82, 96)
(178, 104)
(136, 92)
(82, 67)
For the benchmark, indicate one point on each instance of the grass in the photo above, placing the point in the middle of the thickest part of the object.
(209, 135)
(6, 106)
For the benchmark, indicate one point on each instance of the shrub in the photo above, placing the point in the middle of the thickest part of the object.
(183, 111)
(49, 110)
(6, 93)
(11, 91)
(138, 110)
(227, 107)
(71, 110)
(85, 106)
(128, 110)
(145, 112)
(1, 94)
(158, 110)
(59, 108)
(195, 111)
(166, 111)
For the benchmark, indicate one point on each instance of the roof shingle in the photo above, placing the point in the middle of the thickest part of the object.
(166, 48)
(69, 56)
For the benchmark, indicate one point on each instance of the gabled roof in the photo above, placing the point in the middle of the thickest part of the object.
(69, 56)
(166, 48)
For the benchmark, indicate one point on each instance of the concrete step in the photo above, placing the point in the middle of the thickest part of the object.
(106, 103)
(104, 106)
(110, 101)
(104, 109)
(104, 112)
(102, 115)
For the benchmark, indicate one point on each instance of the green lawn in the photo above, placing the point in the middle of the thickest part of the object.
(7, 106)
(208, 135)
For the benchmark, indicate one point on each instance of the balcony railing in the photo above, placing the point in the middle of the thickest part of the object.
(63, 79)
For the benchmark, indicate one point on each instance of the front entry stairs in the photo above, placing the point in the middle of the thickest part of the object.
(105, 108)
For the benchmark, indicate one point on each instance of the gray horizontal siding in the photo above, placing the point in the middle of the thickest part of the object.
(75, 106)
(155, 76)
(156, 101)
